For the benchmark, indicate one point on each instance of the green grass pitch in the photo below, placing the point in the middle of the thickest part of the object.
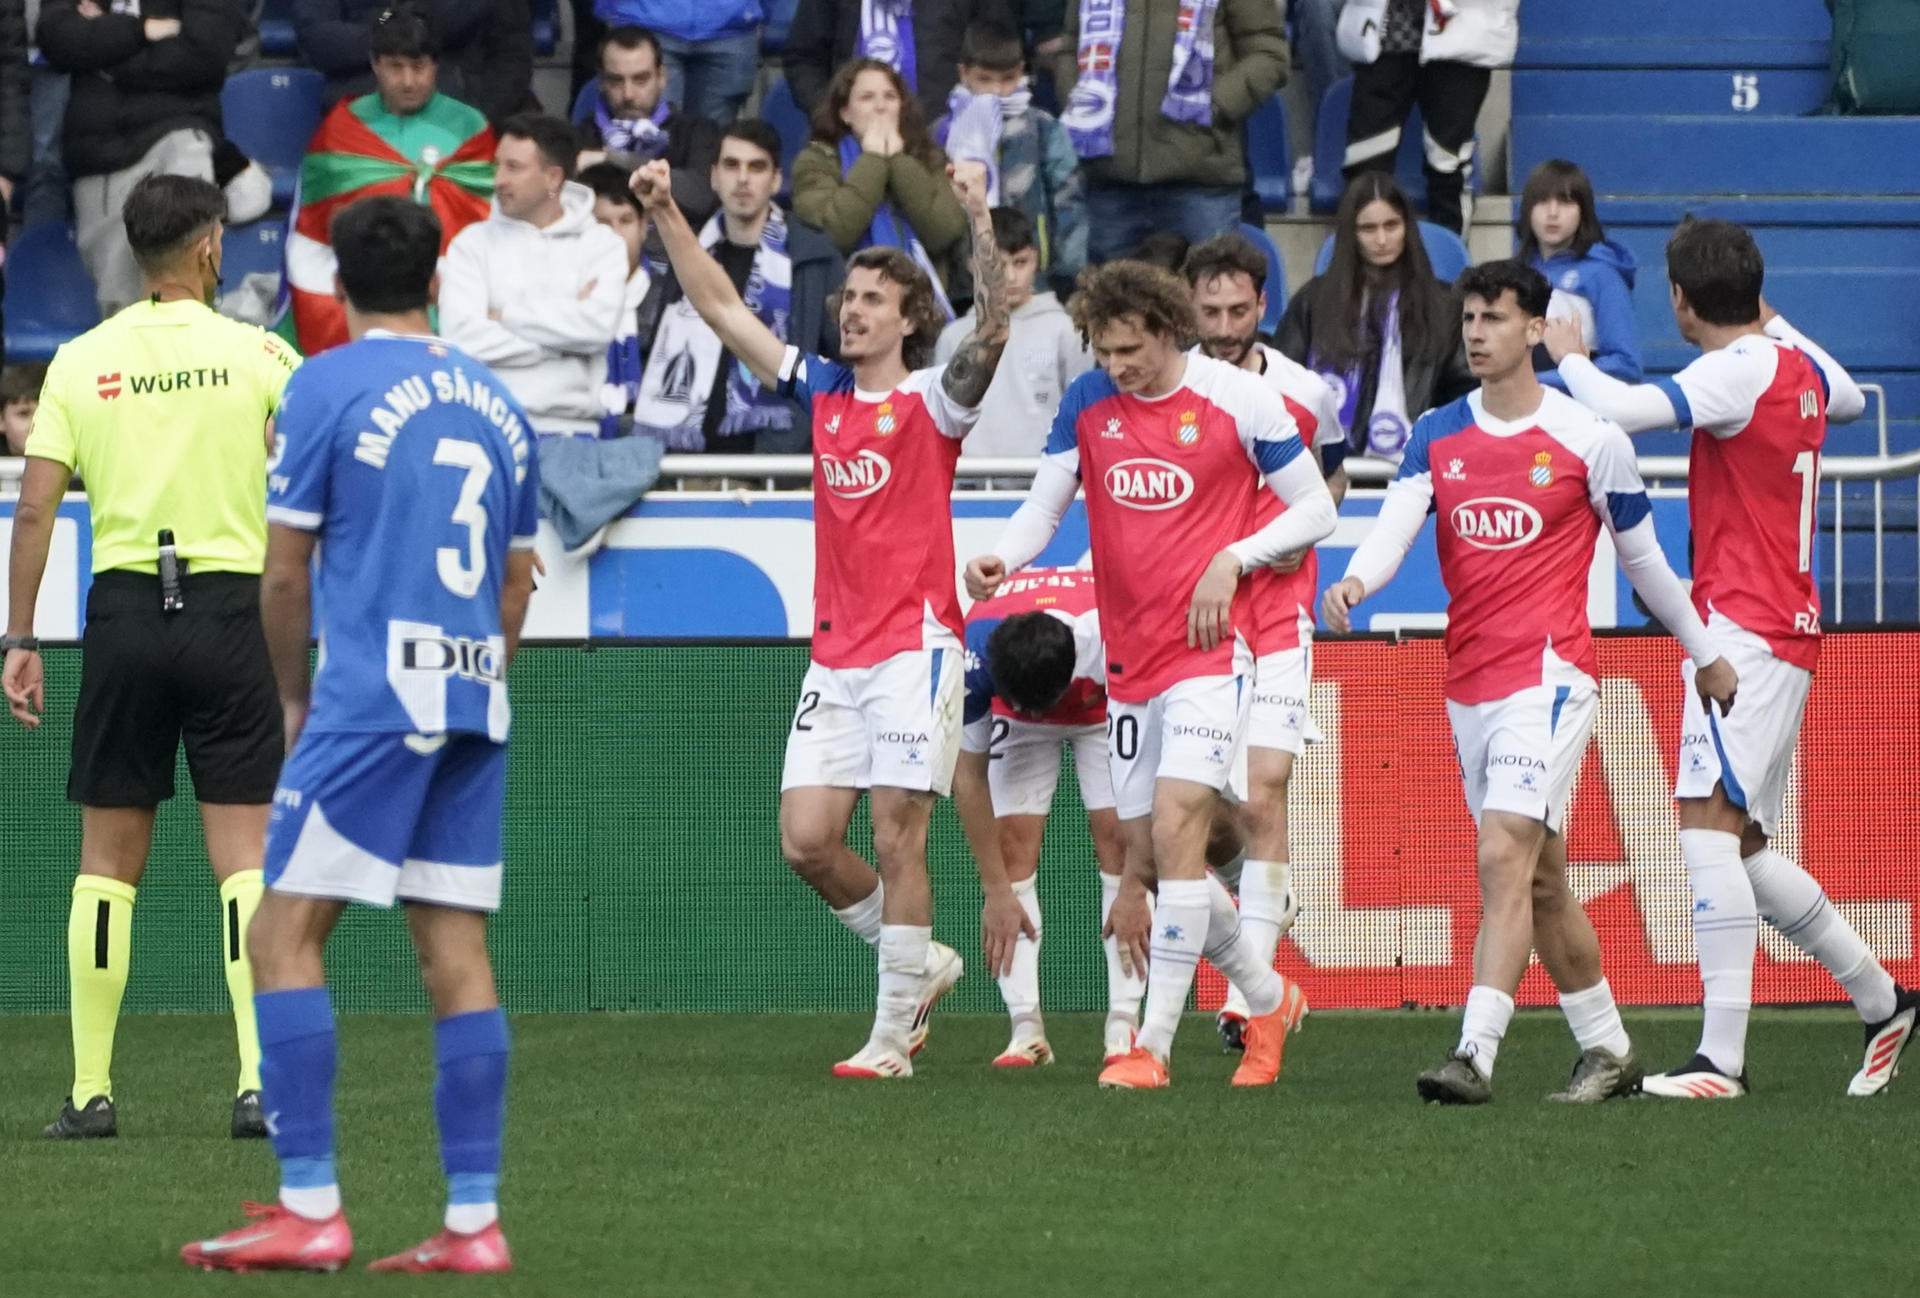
(714, 1156)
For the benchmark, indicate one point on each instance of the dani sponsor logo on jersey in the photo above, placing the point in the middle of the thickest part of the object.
(1496, 522)
(857, 476)
(1144, 483)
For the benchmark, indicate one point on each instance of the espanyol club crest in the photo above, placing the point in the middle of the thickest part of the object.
(883, 420)
(1541, 475)
(1189, 430)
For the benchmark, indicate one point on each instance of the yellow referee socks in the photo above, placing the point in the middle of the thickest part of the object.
(99, 932)
(239, 898)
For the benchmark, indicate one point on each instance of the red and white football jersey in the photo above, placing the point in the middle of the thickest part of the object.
(882, 511)
(1517, 507)
(1283, 602)
(1168, 487)
(1067, 594)
(1758, 410)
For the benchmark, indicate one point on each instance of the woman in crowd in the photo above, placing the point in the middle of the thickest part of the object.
(1378, 325)
(1592, 276)
(873, 175)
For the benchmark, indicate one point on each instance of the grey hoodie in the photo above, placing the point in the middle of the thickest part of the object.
(1043, 355)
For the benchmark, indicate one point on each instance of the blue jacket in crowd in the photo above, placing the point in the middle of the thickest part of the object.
(1603, 282)
(686, 20)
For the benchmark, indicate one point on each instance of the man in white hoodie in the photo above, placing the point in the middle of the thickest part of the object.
(536, 289)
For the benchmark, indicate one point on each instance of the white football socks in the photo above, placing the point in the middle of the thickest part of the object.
(315, 1203)
(469, 1218)
(1020, 989)
(1489, 1010)
(863, 917)
(1595, 1019)
(1725, 929)
(1793, 902)
(1263, 901)
(1123, 989)
(903, 965)
(1234, 954)
(1179, 933)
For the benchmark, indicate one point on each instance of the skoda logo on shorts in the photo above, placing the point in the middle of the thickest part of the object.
(860, 476)
(1149, 484)
(1496, 522)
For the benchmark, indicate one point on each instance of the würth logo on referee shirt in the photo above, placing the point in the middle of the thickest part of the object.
(164, 382)
(109, 386)
(1149, 484)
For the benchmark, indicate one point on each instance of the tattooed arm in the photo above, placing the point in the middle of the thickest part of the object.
(971, 369)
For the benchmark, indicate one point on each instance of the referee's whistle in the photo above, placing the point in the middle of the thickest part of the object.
(172, 598)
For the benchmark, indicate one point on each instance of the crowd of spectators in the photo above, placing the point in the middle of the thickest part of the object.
(1107, 127)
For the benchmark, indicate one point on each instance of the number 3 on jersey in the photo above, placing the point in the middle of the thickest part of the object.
(464, 579)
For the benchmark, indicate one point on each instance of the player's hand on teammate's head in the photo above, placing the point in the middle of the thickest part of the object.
(25, 683)
(984, 576)
(1342, 597)
(969, 180)
(1717, 683)
(652, 184)
(1564, 339)
(1003, 921)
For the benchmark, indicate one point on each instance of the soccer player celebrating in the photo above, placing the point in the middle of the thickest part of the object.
(880, 705)
(1520, 480)
(1757, 400)
(1163, 441)
(415, 467)
(1228, 276)
(1035, 683)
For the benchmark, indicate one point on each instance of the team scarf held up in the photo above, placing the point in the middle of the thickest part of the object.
(886, 34)
(889, 230)
(1189, 98)
(643, 137)
(350, 158)
(672, 391)
(975, 126)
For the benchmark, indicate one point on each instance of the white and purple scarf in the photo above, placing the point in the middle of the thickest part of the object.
(886, 34)
(1189, 98)
(643, 137)
(888, 229)
(974, 126)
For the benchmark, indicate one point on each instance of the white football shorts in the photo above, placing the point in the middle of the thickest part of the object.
(1521, 754)
(895, 724)
(1191, 731)
(1750, 750)
(1023, 766)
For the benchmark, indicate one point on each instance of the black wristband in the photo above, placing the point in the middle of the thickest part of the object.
(27, 642)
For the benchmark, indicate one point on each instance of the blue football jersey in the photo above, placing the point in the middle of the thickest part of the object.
(415, 467)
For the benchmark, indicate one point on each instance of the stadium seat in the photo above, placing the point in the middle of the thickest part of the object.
(50, 295)
(1698, 92)
(779, 110)
(258, 247)
(779, 21)
(1276, 276)
(546, 26)
(271, 113)
(1728, 155)
(583, 102)
(1444, 249)
(277, 39)
(1663, 34)
(1330, 151)
(1270, 158)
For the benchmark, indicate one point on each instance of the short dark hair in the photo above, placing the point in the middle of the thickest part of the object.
(1490, 279)
(1718, 268)
(22, 381)
(610, 180)
(1158, 297)
(165, 213)
(1558, 178)
(1231, 253)
(1030, 659)
(628, 37)
(554, 138)
(992, 46)
(918, 303)
(755, 132)
(388, 248)
(401, 32)
(1166, 249)
(1012, 230)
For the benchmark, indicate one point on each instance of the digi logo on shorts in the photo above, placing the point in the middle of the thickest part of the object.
(472, 660)
(860, 476)
(1149, 484)
(1495, 522)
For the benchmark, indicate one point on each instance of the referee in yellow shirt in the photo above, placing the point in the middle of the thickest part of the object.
(166, 412)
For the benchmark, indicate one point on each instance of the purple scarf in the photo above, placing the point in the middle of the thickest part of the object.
(886, 34)
(1189, 98)
(889, 229)
(643, 137)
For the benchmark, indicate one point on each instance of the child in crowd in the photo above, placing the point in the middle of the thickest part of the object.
(19, 398)
(1592, 276)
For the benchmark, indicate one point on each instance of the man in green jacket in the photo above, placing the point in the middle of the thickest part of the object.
(1159, 93)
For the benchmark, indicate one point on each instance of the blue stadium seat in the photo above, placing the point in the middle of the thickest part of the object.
(50, 296)
(258, 247)
(1270, 155)
(1863, 315)
(1330, 151)
(1729, 155)
(1665, 34)
(779, 21)
(1699, 92)
(546, 26)
(780, 111)
(277, 38)
(583, 102)
(271, 113)
(1276, 276)
(1444, 249)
